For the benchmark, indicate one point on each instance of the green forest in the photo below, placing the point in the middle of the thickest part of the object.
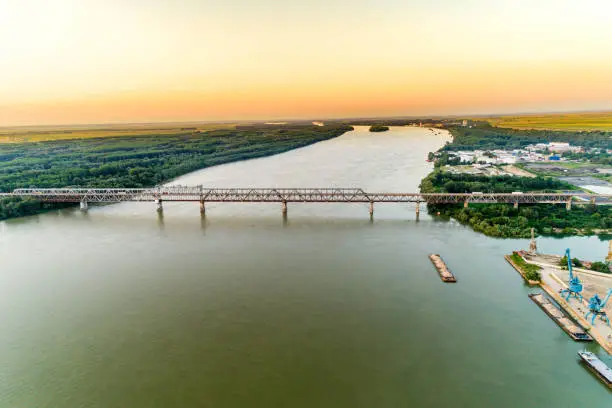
(140, 161)
(378, 128)
(502, 220)
(483, 136)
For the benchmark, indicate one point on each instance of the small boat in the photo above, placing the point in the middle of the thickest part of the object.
(597, 366)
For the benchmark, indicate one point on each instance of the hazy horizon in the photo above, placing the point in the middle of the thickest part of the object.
(306, 119)
(94, 61)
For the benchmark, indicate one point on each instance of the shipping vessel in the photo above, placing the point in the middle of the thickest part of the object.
(597, 366)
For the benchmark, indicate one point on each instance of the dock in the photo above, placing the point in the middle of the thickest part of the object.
(597, 367)
(520, 271)
(445, 274)
(574, 330)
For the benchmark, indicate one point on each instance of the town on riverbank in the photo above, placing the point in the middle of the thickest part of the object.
(490, 159)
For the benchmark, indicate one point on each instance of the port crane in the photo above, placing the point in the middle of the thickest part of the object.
(596, 308)
(574, 285)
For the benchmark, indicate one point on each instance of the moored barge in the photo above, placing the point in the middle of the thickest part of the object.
(598, 367)
(574, 330)
(443, 271)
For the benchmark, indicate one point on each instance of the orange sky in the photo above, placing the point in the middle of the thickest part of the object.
(98, 61)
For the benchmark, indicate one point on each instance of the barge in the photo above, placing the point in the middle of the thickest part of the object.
(598, 367)
(574, 330)
(443, 271)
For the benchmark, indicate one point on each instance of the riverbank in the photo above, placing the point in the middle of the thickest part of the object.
(142, 160)
(519, 265)
(507, 221)
(503, 220)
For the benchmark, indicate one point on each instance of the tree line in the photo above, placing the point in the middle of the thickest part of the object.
(142, 160)
(503, 220)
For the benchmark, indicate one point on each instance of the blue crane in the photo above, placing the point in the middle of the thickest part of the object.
(574, 285)
(596, 308)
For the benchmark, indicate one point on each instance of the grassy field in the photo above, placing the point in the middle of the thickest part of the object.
(566, 121)
(43, 134)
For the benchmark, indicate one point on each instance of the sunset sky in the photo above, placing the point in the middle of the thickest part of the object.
(99, 61)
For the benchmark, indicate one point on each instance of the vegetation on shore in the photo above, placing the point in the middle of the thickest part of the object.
(503, 220)
(599, 266)
(596, 266)
(530, 271)
(141, 160)
(378, 128)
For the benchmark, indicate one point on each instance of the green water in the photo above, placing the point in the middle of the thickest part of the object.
(121, 308)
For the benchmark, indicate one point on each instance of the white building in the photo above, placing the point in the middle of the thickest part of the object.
(559, 147)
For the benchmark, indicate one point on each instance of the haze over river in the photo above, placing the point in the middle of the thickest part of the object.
(119, 308)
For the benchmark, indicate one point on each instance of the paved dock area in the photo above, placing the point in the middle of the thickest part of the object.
(554, 279)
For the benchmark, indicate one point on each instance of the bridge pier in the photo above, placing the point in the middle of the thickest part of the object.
(160, 206)
(202, 207)
(465, 204)
(371, 209)
(83, 205)
(284, 208)
(516, 204)
(568, 204)
(418, 208)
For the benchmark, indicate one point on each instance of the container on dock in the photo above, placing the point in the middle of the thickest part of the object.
(445, 274)
(598, 367)
(574, 330)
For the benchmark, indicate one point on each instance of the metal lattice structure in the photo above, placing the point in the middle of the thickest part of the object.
(289, 195)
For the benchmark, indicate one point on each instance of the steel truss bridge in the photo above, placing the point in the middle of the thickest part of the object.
(293, 195)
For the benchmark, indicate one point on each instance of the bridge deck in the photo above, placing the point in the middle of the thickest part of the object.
(287, 195)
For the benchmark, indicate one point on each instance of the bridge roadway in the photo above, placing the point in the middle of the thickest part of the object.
(294, 195)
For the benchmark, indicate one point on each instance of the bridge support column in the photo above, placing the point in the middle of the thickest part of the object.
(284, 208)
(371, 208)
(592, 200)
(84, 205)
(418, 208)
(516, 204)
(568, 204)
(465, 204)
(160, 206)
(202, 207)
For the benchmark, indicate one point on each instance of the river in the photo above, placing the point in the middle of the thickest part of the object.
(118, 307)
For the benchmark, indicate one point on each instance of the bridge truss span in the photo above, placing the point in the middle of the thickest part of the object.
(294, 195)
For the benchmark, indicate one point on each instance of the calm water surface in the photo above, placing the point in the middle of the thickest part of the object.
(121, 308)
